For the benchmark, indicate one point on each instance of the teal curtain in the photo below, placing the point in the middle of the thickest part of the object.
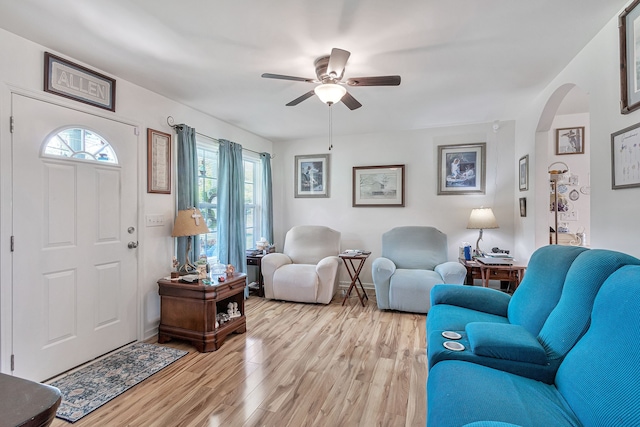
(187, 186)
(267, 202)
(231, 212)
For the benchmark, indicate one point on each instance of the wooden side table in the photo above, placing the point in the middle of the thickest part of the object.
(189, 311)
(354, 273)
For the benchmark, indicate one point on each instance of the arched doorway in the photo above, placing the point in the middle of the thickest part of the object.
(565, 114)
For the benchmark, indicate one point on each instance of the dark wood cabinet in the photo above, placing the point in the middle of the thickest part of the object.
(189, 311)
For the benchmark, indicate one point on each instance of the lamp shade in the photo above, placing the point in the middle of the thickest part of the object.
(189, 222)
(330, 93)
(482, 218)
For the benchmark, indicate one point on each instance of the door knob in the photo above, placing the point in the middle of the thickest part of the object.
(132, 245)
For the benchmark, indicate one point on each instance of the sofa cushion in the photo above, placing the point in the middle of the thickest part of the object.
(410, 290)
(570, 318)
(459, 393)
(295, 282)
(415, 247)
(600, 376)
(541, 287)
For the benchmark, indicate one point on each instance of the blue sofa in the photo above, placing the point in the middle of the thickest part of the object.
(414, 260)
(515, 348)
(597, 383)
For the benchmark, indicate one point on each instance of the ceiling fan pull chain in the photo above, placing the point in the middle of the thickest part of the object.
(330, 127)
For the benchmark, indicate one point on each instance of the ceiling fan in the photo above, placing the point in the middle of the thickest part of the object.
(329, 72)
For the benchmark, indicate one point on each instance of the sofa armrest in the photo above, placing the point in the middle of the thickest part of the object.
(487, 300)
(452, 272)
(327, 268)
(381, 271)
(505, 341)
(269, 264)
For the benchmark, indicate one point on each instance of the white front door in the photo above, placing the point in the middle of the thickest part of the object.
(74, 276)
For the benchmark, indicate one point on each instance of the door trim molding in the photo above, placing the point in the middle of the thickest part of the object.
(7, 91)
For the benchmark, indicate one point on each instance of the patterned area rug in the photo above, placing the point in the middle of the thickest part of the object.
(94, 385)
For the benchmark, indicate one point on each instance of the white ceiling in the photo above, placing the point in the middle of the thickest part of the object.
(461, 61)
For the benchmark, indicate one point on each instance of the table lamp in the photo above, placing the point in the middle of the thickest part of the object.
(481, 218)
(189, 222)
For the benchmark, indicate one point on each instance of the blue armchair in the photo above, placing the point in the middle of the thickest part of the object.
(414, 260)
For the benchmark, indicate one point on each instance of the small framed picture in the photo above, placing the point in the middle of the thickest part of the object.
(523, 173)
(378, 186)
(523, 206)
(461, 169)
(625, 158)
(158, 162)
(570, 140)
(312, 175)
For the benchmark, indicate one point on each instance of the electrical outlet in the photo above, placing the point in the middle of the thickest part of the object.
(569, 216)
(154, 220)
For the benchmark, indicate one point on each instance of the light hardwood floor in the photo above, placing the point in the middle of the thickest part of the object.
(297, 365)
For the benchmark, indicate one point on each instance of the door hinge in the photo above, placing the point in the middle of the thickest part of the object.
(13, 362)
(136, 131)
(11, 124)
(12, 243)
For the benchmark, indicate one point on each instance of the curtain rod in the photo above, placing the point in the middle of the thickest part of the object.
(172, 124)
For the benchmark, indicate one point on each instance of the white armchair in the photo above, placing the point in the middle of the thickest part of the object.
(307, 268)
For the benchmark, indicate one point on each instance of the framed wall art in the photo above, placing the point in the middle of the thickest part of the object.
(570, 140)
(629, 67)
(523, 173)
(625, 158)
(73, 81)
(461, 169)
(158, 162)
(312, 175)
(378, 186)
(523, 206)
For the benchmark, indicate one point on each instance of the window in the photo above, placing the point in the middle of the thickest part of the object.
(82, 144)
(208, 195)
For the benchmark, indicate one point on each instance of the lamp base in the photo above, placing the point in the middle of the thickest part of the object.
(479, 252)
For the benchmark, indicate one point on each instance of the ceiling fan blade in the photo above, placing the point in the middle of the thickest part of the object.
(337, 62)
(374, 81)
(282, 77)
(350, 101)
(299, 99)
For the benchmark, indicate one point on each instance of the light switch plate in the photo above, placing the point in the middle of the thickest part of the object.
(156, 220)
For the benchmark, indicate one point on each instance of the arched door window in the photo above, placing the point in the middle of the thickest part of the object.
(81, 144)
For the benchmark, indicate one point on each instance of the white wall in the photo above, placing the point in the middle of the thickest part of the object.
(22, 67)
(362, 227)
(596, 70)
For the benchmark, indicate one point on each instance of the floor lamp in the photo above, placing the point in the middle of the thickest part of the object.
(481, 218)
(189, 222)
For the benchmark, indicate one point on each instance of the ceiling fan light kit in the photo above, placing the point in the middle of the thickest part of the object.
(329, 73)
(330, 93)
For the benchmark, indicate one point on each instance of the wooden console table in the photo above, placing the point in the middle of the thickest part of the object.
(506, 274)
(189, 311)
